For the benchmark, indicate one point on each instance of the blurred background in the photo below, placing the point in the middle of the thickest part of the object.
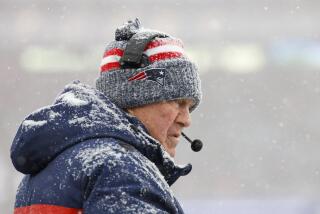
(259, 63)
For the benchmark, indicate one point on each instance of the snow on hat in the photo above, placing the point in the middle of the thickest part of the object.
(144, 66)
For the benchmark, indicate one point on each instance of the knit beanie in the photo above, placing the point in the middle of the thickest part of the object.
(144, 66)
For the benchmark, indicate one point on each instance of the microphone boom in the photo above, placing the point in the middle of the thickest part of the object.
(196, 145)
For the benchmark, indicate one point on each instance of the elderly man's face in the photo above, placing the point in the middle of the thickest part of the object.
(165, 121)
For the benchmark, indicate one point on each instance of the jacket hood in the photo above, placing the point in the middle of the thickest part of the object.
(80, 113)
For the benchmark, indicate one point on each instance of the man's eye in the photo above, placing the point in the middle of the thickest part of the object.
(180, 103)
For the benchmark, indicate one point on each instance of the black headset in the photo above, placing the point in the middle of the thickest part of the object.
(133, 56)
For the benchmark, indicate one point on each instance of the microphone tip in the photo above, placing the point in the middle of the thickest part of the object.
(196, 145)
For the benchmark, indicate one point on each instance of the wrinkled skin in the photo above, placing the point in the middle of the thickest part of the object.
(165, 121)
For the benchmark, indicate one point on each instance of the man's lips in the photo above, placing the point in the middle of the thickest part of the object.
(175, 138)
(176, 135)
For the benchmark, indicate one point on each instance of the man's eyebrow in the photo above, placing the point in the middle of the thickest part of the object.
(181, 101)
(185, 102)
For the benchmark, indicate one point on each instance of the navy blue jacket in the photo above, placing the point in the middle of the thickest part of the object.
(85, 155)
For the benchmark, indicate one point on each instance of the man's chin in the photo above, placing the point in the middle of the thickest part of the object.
(170, 145)
(172, 153)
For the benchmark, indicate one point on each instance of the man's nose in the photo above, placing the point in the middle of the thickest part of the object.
(184, 117)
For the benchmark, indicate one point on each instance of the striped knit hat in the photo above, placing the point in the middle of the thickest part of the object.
(145, 66)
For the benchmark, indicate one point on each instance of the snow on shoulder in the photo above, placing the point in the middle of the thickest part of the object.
(29, 124)
(71, 99)
(101, 108)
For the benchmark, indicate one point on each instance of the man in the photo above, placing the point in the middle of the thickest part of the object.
(108, 150)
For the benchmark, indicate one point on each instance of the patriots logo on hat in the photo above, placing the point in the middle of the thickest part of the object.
(153, 74)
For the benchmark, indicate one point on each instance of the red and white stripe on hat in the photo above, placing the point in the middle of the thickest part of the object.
(110, 60)
(156, 50)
